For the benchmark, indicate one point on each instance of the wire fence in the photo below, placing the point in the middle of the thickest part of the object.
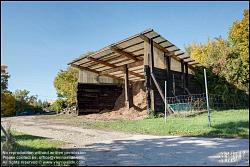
(197, 102)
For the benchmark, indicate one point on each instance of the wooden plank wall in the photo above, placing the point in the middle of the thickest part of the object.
(160, 75)
(90, 77)
(92, 98)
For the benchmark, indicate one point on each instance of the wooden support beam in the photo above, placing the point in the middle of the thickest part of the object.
(107, 59)
(157, 86)
(151, 68)
(169, 46)
(180, 54)
(157, 36)
(182, 76)
(101, 62)
(185, 57)
(186, 74)
(162, 42)
(160, 91)
(94, 71)
(168, 68)
(135, 74)
(113, 66)
(120, 68)
(129, 46)
(127, 88)
(151, 42)
(84, 68)
(175, 50)
(172, 54)
(187, 61)
(193, 63)
(146, 39)
(147, 85)
(126, 82)
(123, 53)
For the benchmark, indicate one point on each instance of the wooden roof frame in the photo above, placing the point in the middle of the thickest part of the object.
(99, 64)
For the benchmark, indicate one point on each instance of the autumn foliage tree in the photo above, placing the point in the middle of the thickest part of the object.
(65, 83)
(7, 99)
(239, 40)
(226, 59)
(7, 104)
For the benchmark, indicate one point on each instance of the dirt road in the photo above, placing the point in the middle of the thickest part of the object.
(114, 148)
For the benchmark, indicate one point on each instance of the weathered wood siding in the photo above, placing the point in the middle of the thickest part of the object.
(160, 75)
(159, 62)
(90, 77)
(159, 59)
(92, 98)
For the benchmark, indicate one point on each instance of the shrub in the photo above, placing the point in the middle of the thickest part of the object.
(7, 104)
(58, 105)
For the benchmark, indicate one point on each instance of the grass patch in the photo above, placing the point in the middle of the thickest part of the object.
(40, 148)
(226, 123)
(229, 123)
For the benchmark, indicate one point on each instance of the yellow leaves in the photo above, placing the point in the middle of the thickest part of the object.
(65, 84)
(7, 104)
(239, 36)
(196, 52)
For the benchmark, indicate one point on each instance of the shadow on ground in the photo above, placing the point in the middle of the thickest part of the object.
(168, 151)
(22, 149)
(155, 150)
(229, 129)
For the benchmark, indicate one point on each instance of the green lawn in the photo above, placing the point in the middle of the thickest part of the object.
(227, 123)
(34, 144)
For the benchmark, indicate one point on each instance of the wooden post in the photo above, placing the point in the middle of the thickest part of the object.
(173, 85)
(182, 76)
(165, 101)
(186, 75)
(151, 67)
(168, 68)
(147, 74)
(80, 77)
(147, 85)
(126, 87)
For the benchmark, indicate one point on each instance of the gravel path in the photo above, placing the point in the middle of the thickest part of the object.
(101, 147)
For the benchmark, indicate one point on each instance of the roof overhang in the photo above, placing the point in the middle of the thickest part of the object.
(109, 61)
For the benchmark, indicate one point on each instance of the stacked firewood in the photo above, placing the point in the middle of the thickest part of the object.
(69, 110)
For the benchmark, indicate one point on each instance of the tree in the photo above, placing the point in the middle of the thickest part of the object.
(45, 104)
(65, 83)
(4, 82)
(39, 103)
(7, 104)
(226, 58)
(239, 36)
(58, 105)
(25, 101)
(22, 95)
(239, 40)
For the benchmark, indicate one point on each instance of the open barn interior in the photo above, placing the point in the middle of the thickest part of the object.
(145, 60)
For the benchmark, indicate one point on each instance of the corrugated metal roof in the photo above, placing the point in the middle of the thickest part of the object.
(113, 55)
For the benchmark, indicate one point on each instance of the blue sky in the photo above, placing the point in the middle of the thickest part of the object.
(40, 38)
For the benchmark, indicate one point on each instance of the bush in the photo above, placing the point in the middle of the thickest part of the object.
(7, 104)
(58, 105)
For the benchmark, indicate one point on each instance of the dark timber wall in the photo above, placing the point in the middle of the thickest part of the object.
(92, 98)
(161, 77)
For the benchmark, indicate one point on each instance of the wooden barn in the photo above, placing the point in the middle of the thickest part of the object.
(145, 57)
